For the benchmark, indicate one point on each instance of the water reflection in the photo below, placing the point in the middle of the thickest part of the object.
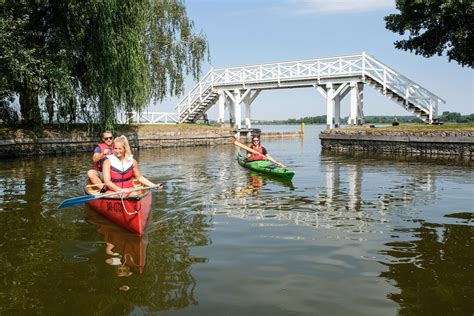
(255, 182)
(125, 251)
(356, 194)
(399, 230)
(397, 186)
(430, 266)
(154, 270)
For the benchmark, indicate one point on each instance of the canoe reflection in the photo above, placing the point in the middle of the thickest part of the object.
(256, 181)
(126, 251)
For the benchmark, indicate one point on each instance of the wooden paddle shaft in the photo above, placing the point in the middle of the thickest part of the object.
(94, 185)
(237, 143)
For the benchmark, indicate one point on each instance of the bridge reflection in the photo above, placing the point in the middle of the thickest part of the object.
(356, 193)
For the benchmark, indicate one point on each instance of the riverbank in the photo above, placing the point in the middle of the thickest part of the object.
(17, 142)
(424, 140)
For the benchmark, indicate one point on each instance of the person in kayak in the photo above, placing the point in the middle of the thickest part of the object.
(262, 152)
(119, 169)
(100, 153)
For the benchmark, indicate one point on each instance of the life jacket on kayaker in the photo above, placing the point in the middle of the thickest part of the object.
(121, 174)
(98, 164)
(261, 153)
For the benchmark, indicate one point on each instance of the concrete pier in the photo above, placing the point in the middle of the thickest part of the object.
(426, 143)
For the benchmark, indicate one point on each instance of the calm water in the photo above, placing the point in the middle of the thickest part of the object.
(350, 235)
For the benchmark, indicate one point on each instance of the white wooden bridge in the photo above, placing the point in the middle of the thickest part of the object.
(333, 78)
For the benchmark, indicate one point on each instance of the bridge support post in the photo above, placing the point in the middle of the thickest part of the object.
(356, 116)
(221, 101)
(231, 114)
(333, 93)
(236, 107)
(337, 111)
(329, 106)
(433, 108)
(248, 124)
(248, 99)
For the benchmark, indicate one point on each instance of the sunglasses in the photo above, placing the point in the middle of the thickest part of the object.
(107, 138)
(255, 140)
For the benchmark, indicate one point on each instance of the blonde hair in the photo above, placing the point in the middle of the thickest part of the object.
(124, 141)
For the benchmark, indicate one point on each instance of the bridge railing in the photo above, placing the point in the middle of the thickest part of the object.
(400, 84)
(347, 65)
(204, 84)
(305, 69)
(315, 69)
(149, 118)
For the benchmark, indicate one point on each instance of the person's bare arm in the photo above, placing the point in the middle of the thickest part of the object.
(98, 156)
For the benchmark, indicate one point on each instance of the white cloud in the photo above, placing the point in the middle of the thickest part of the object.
(313, 7)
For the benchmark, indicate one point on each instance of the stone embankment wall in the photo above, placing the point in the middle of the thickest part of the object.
(436, 143)
(19, 142)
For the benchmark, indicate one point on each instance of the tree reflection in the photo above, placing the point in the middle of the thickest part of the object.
(29, 269)
(431, 270)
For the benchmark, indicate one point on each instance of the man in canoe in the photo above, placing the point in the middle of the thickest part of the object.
(100, 154)
(262, 152)
(119, 169)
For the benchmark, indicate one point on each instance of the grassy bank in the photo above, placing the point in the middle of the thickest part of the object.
(56, 130)
(447, 127)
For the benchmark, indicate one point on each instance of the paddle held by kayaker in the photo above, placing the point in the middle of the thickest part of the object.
(100, 154)
(119, 169)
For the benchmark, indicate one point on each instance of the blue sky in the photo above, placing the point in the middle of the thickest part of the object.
(249, 32)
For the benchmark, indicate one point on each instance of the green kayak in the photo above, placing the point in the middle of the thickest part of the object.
(266, 167)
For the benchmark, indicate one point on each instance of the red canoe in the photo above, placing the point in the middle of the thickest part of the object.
(130, 213)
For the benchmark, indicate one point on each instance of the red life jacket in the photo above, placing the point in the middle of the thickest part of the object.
(121, 174)
(255, 156)
(98, 164)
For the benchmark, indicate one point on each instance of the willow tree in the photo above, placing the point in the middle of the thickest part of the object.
(106, 55)
(130, 52)
(33, 59)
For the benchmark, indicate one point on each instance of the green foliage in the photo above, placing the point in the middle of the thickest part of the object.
(32, 62)
(435, 27)
(456, 117)
(445, 117)
(95, 58)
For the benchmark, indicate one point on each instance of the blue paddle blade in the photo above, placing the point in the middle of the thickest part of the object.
(78, 200)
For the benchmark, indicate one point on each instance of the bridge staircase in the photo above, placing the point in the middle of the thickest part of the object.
(197, 109)
(421, 112)
(318, 73)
